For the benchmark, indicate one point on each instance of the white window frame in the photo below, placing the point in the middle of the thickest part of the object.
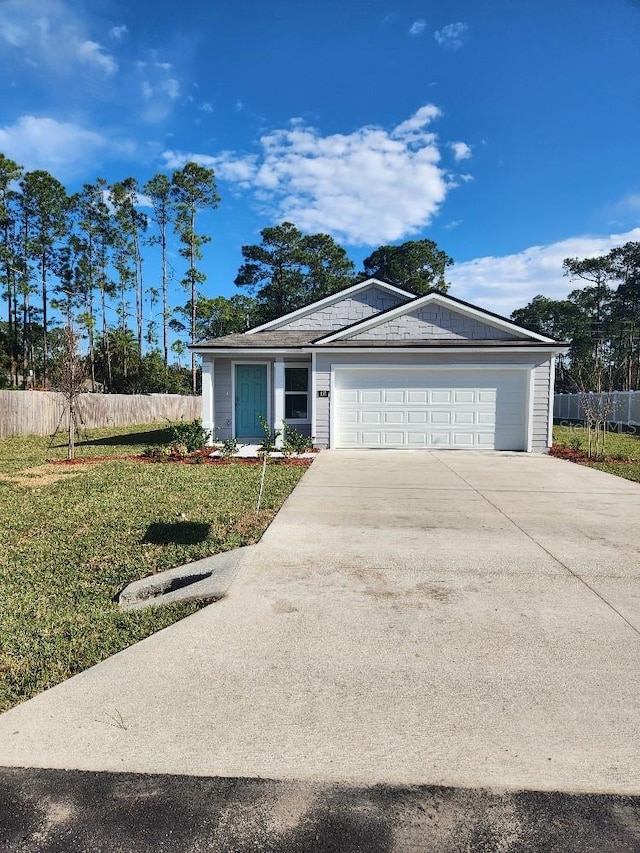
(307, 365)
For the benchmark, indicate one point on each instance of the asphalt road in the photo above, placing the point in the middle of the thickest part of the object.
(53, 811)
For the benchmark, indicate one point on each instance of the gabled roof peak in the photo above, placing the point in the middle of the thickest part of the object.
(331, 299)
(445, 301)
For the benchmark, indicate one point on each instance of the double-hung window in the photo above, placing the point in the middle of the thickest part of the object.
(296, 393)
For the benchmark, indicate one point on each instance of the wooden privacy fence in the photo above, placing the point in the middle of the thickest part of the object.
(624, 407)
(42, 412)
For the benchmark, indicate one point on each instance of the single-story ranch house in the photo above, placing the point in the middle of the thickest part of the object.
(374, 366)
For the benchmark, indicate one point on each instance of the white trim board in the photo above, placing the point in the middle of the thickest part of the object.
(309, 350)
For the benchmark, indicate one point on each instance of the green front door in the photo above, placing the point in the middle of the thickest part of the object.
(251, 399)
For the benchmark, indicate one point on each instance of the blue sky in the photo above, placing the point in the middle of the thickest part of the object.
(508, 132)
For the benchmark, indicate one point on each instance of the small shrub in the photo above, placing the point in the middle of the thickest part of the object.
(295, 441)
(157, 454)
(575, 442)
(178, 449)
(229, 448)
(189, 433)
(268, 443)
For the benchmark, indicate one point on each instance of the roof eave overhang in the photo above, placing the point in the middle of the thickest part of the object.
(247, 350)
(545, 348)
(553, 349)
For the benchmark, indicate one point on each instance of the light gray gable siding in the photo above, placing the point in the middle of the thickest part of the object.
(433, 323)
(351, 309)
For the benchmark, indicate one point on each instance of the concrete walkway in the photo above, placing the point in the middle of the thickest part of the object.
(409, 618)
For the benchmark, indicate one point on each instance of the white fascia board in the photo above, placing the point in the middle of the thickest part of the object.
(329, 300)
(244, 353)
(428, 299)
(545, 351)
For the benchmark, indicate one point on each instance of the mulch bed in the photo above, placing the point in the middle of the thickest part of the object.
(581, 458)
(198, 458)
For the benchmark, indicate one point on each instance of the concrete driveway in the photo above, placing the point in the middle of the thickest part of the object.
(426, 618)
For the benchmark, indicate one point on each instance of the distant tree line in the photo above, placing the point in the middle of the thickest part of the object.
(600, 321)
(79, 262)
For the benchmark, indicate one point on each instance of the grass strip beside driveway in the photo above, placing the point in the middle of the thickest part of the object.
(622, 450)
(70, 541)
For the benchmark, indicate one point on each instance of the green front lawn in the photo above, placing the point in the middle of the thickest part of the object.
(622, 450)
(71, 536)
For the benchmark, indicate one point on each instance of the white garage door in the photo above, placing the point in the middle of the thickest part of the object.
(410, 408)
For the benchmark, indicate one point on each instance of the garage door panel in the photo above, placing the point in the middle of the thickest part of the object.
(394, 439)
(486, 440)
(464, 396)
(486, 418)
(416, 439)
(393, 407)
(348, 418)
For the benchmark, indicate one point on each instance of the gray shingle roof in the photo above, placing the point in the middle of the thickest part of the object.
(300, 340)
(270, 339)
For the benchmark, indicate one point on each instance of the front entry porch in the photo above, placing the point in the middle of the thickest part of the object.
(237, 396)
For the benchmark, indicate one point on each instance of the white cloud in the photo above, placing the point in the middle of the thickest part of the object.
(461, 151)
(503, 284)
(367, 187)
(159, 90)
(119, 33)
(171, 88)
(630, 203)
(205, 107)
(417, 27)
(452, 36)
(93, 54)
(52, 36)
(419, 120)
(44, 143)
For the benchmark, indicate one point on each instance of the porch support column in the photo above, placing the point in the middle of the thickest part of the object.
(278, 398)
(208, 405)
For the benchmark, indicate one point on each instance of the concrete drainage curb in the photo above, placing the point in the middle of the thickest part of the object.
(204, 580)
